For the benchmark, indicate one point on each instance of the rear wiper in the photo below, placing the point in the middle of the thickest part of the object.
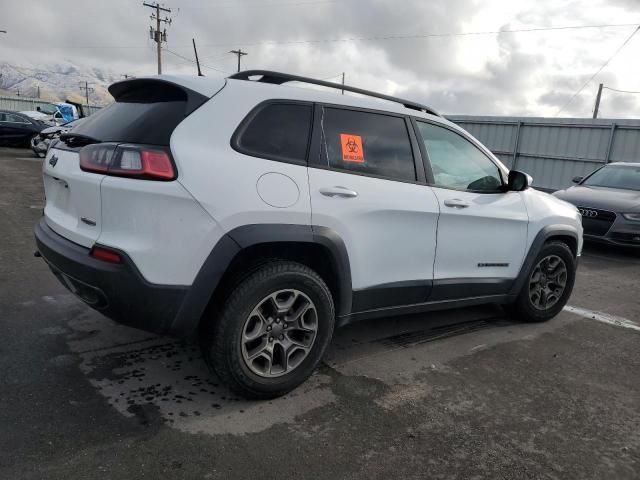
(77, 139)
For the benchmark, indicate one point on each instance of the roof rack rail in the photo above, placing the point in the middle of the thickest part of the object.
(278, 78)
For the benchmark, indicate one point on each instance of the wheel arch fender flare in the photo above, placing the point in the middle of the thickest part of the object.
(544, 235)
(235, 241)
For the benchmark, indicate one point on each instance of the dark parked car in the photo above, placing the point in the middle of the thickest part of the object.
(17, 129)
(609, 201)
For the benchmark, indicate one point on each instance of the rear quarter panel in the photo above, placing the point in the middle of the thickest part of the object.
(160, 226)
(224, 180)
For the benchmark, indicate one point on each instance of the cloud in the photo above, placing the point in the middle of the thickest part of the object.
(515, 74)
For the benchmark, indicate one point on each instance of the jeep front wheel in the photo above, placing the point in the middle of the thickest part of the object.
(548, 286)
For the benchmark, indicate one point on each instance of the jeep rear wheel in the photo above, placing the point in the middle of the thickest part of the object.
(272, 331)
(548, 286)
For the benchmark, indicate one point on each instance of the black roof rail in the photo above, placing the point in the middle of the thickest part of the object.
(278, 78)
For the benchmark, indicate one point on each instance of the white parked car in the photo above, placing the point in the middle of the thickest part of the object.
(40, 143)
(259, 216)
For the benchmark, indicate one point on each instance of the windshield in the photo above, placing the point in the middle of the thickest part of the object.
(49, 109)
(615, 176)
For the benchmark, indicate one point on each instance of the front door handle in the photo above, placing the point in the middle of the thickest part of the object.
(338, 192)
(456, 203)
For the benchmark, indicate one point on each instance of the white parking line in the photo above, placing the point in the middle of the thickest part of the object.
(603, 317)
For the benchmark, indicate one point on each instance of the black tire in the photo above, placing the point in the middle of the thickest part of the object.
(524, 309)
(222, 337)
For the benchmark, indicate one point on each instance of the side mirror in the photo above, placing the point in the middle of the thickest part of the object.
(577, 179)
(519, 181)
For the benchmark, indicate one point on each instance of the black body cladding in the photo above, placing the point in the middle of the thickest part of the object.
(118, 291)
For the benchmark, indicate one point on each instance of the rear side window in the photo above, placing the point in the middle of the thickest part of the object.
(278, 131)
(144, 112)
(368, 143)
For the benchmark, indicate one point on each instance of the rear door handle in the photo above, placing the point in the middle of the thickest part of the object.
(456, 203)
(338, 192)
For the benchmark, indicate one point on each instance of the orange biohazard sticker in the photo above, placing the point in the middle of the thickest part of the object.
(352, 150)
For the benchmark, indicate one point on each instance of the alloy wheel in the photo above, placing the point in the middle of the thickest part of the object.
(279, 333)
(547, 282)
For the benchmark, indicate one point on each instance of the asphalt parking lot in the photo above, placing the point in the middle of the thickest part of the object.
(459, 394)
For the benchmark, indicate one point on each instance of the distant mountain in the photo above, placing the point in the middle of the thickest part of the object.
(57, 81)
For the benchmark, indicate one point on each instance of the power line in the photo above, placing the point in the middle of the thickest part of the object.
(425, 35)
(193, 61)
(628, 39)
(259, 3)
(216, 57)
(332, 76)
(353, 39)
(621, 91)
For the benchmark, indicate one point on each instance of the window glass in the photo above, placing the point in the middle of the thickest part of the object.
(280, 131)
(616, 176)
(370, 143)
(457, 163)
(9, 117)
(48, 109)
(149, 123)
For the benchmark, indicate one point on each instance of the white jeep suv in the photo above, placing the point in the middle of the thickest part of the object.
(258, 217)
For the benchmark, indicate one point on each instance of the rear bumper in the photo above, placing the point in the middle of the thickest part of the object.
(118, 291)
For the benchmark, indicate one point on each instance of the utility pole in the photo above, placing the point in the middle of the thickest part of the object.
(197, 61)
(343, 83)
(156, 34)
(239, 53)
(86, 89)
(595, 109)
(38, 91)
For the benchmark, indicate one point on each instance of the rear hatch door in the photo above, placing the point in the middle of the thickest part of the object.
(145, 111)
(72, 207)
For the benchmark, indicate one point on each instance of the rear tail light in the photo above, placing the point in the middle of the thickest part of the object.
(106, 255)
(135, 161)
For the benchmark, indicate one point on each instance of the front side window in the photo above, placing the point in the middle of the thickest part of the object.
(457, 163)
(367, 143)
(278, 131)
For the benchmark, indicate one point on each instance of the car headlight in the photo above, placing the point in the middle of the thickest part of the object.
(632, 216)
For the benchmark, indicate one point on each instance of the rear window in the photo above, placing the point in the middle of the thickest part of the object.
(278, 131)
(368, 143)
(145, 112)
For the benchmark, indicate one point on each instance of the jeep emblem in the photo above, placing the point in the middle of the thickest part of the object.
(53, 160)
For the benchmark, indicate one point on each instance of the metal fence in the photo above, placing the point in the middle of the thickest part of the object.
(20, 104)
(553, 151)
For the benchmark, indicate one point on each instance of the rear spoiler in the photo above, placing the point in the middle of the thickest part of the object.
(142, 90)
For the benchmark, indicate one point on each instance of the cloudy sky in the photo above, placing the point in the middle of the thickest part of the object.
(385, 45)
